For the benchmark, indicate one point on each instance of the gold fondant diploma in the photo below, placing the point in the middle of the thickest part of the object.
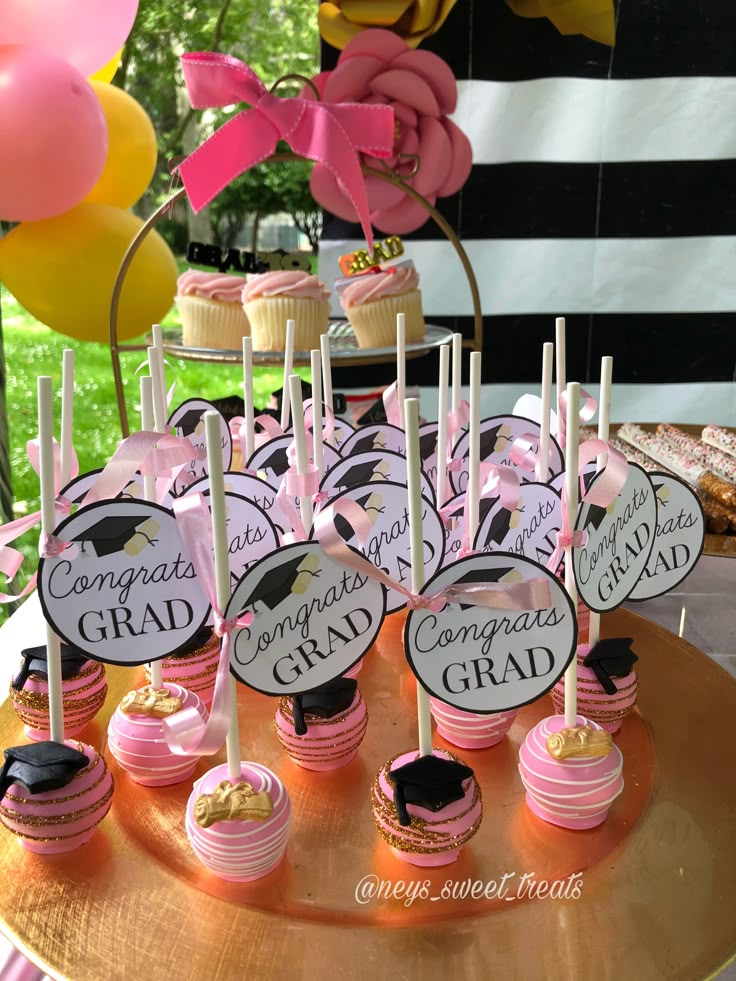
(579, 741)
(232, 802)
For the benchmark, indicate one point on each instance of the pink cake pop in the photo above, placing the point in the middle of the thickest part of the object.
(609, 705)
(53, 795)
(239, 833)
(136, 736)
(576, 791)
(426, 807)
(322, 729)
(469, 730)
(195, 667)
(84, 689)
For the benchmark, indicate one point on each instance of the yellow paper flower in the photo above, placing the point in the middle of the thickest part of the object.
(413, 20)
(593, 18)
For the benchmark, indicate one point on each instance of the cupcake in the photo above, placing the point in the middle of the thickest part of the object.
(607, 684)
(323, 728)
(272, 298)
(211, 311)
(371, 302)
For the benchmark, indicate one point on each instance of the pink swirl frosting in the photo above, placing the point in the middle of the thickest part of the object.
(210, 286)
(374, 286)
(294, 283)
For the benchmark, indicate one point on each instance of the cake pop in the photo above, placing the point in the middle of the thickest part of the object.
(323, 728)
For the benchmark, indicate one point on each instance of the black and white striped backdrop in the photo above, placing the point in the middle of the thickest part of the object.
(603, 189)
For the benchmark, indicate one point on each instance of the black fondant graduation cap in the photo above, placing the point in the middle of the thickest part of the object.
(427, 445)
(362, 473)
(40, 766)
(293, 576)
(325, 702)
(114, 533)
(189, 421)
(611, 658)
(277, 462)
(428, 781)
(34, 660)
(201, 637)
(482, 575)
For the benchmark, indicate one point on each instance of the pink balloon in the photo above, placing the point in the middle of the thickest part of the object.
(86, 33)
(53, 135)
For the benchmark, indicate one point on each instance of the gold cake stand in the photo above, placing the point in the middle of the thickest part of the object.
(658, 878)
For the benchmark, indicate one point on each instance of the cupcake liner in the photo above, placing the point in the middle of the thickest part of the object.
(212, 323)
(374, 323)
(268, 316)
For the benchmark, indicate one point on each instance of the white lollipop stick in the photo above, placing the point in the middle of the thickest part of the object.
(248, 412)
(604, 425)
(572, 437)
(67, 416)
(159, 399)
(300, 445)
(560, 369)
(319, 456)
(222, 568)
(48, 521)
(473, 488)
(457, 373)
(401, 364)
(324, 349)
(441, 480)
(157, 336)
(683, 615)
(416, 533)
(288, 366)
(542, 474)
(149, 491)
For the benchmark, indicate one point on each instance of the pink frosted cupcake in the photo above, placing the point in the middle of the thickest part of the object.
(323, 728)
(607, 684)
(272, 298)
(195, 666)
(211, 310)
(53, 795)
(372, 300)
(571, 776)
(136, 738)
(83, 685)
(239, 832)
(469, 730)
(426, 807)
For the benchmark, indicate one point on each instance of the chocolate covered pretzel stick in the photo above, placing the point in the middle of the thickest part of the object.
(720, 438)
(716, 461)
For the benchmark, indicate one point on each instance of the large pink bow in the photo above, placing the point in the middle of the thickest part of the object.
(328, 133)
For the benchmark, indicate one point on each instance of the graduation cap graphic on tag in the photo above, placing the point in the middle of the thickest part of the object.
(118, 533)
(191, 423)
(324, 702)
(40, 767)
(277, 462)
(294, 576)
(35, 662)
(494, 440)
(427, 445)
(428, 781)
(596, 514)
(508, 574)
(662, 493)
(373, 441)
(371, 504)
(364, 473)
(611, 658)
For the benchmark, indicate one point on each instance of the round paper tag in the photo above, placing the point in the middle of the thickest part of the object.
(125, 592)
(497, 435)
(454, 513)
(250, 534)
(679, 539)
(273, 460)
(620, 539)
(262, 494)
(313, 619)
(378, 436)
(529, 530)
(364, 468)
(187, 421)
(389, 547)
(428, 451)
(487, 660)
(342, 429)
(76, 490)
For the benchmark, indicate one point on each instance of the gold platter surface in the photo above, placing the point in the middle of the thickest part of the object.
(658, 878)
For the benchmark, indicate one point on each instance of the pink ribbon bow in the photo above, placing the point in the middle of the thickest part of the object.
(495, 480)
(10, 558)
(270, 430)
(331, 134)
(531, 595)
(187, 733)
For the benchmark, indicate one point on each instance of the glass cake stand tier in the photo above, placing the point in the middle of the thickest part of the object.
(658, 877)
(344, 349)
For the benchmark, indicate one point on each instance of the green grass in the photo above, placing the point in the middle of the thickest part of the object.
(31, 349)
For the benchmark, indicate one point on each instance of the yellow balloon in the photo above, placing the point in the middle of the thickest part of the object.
(131, 149)
(107, 72)
(62, 271)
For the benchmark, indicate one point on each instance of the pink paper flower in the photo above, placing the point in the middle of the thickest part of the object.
(379, 68)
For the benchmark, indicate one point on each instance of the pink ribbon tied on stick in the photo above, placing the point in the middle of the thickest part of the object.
(186, 732)
(531, 595)
(588, 408)
(496, 480)
(331, 134)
